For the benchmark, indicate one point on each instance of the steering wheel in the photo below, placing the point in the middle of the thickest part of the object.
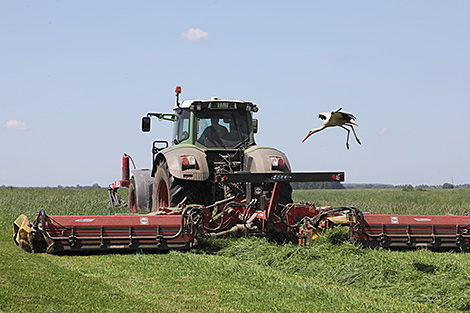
(211, 135)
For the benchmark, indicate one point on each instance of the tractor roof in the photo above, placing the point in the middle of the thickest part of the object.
(213, 102)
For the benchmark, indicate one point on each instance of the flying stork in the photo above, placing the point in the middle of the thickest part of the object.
(336, 118)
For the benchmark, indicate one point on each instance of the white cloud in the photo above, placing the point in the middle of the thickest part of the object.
(16, 125)
(195, 34)
(383, 131)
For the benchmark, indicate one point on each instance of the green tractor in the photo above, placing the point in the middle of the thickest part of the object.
(210, 138)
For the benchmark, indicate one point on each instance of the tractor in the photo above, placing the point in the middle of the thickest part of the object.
(210, 138)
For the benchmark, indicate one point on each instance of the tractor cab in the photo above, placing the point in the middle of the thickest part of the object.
(210, 124)
(214, 124)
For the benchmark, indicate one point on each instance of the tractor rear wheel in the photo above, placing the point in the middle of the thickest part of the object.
(285, 194)
(169, 191)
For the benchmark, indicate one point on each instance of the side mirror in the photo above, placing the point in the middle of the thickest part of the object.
(145, 124)
(255, 126)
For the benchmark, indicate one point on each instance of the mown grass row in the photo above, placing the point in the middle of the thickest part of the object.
(438, 279)
(235, 274)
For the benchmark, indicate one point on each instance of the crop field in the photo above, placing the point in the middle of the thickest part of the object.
(237, 274)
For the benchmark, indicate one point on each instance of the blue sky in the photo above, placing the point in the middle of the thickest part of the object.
(77, 76)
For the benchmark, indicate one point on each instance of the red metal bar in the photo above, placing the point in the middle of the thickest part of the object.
(125, 168)
(272, 204)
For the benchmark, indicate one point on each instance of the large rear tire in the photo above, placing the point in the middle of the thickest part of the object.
(170, 192)
(285, 194)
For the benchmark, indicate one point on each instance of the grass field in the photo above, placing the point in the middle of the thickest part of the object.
(236, 274)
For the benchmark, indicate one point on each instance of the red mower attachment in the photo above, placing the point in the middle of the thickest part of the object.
(55, 234)
(410, 231)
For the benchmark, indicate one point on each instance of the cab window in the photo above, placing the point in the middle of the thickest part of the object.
(226, 129)
(181, 128)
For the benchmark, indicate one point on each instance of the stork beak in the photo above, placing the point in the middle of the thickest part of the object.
(308, 135)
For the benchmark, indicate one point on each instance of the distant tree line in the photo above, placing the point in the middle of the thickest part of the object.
(368, 186)
(94, 186)
(443, 186)
(411, 188)
(338, 185)
(317, 185)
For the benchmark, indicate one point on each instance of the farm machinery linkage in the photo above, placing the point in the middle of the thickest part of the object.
(213, 180)
(179, 227)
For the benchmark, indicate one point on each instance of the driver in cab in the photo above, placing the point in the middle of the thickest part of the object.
(215, 133)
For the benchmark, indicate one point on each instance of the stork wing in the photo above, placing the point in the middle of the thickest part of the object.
(322, 116)
(337, 117)
(348, 116)
(342, 115)
(337, 111)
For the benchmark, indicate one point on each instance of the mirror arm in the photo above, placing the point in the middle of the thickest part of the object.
(164, 116)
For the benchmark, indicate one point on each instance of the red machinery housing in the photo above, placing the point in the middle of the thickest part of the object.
(410, 231)
(56, 234)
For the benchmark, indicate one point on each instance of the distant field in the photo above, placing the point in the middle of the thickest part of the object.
(236, 275)
(391, 201)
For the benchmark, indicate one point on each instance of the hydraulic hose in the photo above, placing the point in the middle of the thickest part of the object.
(132, 160)
(248, 209)
(359, 215)
(185, 210)
(246, 226)
(220, 226)
(282, 216)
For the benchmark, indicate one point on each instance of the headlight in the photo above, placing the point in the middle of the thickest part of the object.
(188, 162)
(277, 162)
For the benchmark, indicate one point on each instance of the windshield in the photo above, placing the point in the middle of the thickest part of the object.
(227, 129)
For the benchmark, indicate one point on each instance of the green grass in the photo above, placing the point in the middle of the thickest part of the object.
(236, 274)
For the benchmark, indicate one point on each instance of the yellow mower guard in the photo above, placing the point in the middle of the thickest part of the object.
(21, 233)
